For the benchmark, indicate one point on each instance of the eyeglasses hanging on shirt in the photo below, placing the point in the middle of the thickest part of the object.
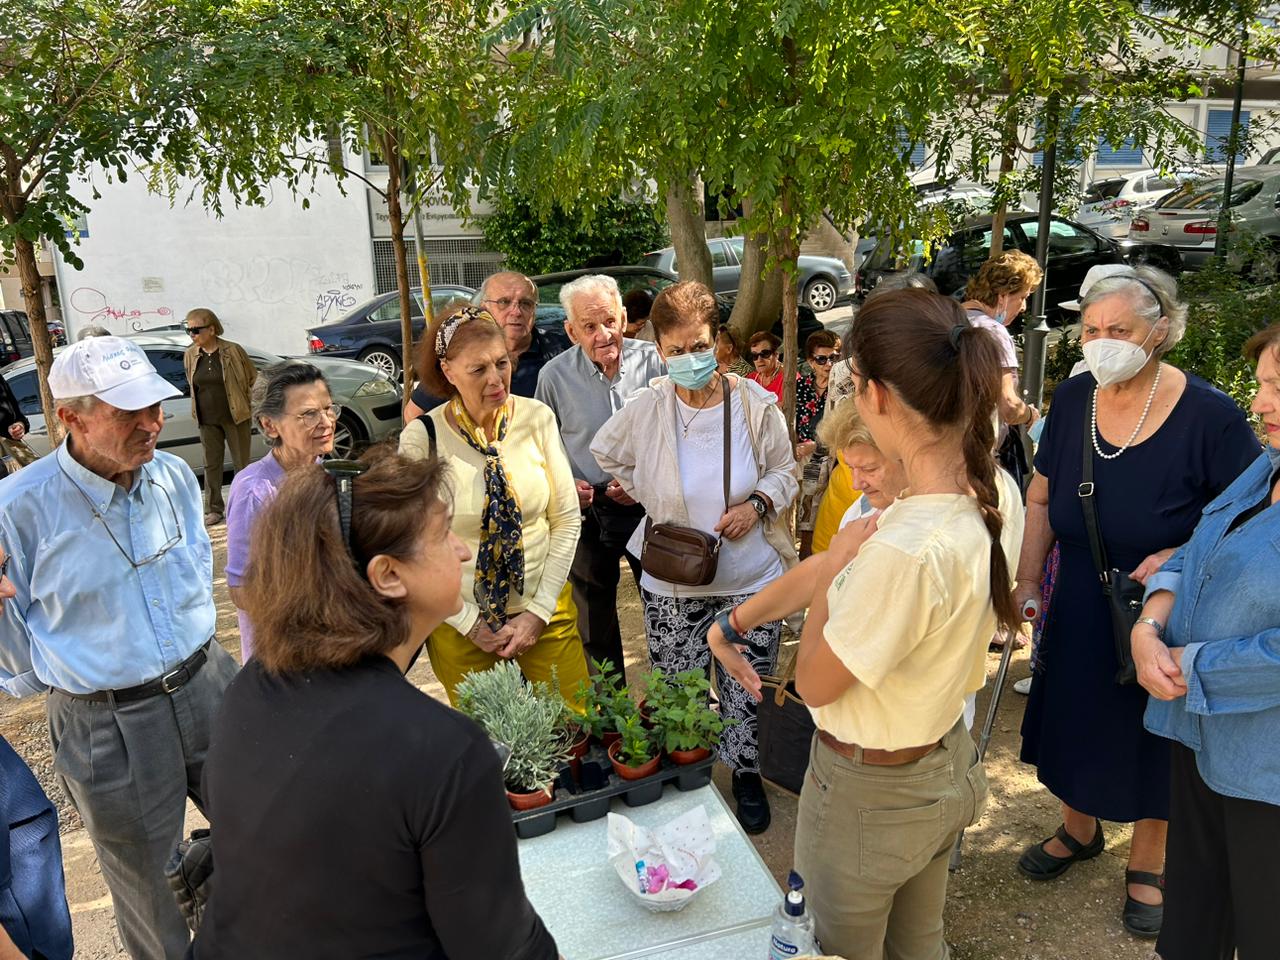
(169, 544)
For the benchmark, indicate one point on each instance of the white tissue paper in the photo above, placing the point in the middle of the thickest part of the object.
(666, 867)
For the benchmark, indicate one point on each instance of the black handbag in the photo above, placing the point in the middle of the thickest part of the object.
(785, 728)
(686, 555)
(1124, 595)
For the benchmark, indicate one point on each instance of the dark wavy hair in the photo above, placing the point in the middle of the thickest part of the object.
(310, 607)
(904, 340)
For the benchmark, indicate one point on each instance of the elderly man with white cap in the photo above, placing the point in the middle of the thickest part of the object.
(113, 614)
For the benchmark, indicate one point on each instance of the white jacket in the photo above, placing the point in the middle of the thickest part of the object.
(637, 446)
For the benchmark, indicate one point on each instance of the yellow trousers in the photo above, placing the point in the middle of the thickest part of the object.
(453, 656)
(838, 498)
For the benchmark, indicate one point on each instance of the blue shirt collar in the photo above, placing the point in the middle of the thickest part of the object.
(97, 488)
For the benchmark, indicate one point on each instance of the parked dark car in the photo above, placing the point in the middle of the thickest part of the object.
(824, 281)
(371, 332)
(15, 336)
(1073, 249)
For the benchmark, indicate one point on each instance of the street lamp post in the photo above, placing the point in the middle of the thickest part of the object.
(1034, 338)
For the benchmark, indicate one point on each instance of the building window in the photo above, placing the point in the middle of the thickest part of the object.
(462, 261)
(1128, 154)
(1219, 133)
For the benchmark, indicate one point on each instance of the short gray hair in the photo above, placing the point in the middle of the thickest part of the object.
(1152, 294)
(81, 404)
(267, 398)
(484, 287)
(591, 283)
(92, 330)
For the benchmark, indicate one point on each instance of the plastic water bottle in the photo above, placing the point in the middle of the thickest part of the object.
(792, 934)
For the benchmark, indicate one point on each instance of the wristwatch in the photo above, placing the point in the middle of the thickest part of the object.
(1152, 622)
(757, 501)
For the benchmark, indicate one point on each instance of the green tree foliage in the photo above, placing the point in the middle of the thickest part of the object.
(537, 240)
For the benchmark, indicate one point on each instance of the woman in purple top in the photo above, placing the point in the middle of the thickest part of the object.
(295, 412)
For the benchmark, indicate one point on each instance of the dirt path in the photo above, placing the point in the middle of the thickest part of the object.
(992, 912)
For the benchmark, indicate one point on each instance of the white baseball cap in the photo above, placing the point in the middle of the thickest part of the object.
(1095, 274)
(113, 369)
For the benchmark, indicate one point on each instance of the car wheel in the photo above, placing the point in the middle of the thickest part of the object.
(348, 437)
(380, 358)
(820, 294)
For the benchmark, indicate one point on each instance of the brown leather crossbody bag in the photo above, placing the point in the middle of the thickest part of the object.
(686, 555)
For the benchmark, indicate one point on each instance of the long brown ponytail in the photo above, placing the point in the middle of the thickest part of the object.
(923, 346)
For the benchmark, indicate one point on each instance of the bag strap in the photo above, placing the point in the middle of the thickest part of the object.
(728, 464)
(429, 425)
(1088, 502)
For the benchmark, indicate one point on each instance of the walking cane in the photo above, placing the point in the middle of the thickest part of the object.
(1029, 613)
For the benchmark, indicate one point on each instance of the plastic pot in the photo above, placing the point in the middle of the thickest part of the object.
(530, 801)
(689, 756)
(646, 769)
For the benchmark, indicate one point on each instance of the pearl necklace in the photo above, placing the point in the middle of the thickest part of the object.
(1136, 430)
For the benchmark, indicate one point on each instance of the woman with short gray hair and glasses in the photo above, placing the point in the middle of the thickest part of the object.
(293, 408)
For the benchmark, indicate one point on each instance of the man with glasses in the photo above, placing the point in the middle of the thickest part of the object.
(584, 387)
(512, 300)
(113, 614)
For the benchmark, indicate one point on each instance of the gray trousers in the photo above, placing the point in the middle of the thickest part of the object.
(129, 771)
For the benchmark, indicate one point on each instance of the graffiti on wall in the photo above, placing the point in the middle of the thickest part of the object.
(122, 319)
(286, 281)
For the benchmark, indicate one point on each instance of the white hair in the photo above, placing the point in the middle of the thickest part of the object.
(93, 330)
(591, 283)
(1152, 293)
(484, 287)
(76, 404)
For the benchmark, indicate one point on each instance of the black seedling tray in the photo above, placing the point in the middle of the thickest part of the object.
(587, 796)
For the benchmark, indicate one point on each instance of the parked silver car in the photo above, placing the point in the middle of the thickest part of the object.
(1109, 206)
(1188, 218)
(370, 400)
(824, 281)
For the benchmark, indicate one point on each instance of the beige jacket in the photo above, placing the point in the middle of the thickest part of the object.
(238, 374)
(637, 446)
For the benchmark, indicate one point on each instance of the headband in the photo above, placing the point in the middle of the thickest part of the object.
(455, 320)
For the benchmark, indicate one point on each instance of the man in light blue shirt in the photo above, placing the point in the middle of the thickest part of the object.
(585, 387)
(113, 614)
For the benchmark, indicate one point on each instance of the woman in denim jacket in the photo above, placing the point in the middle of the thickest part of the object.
(1208, 651)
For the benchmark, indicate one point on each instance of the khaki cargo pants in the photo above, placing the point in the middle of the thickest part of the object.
(872, 844)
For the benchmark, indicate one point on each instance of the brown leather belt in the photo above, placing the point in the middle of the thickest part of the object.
(877, 758)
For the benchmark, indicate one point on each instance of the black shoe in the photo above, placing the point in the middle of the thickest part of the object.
(1143, 919)
(1039, 864)
(753, 805)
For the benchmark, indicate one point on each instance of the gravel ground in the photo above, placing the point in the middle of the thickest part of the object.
(993, 913)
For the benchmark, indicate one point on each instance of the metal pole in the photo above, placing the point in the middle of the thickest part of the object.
(1233, 144)
(1034, 338)
(424, 275)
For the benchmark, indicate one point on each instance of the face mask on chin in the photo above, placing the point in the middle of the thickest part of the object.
(693, 371)
(1116, 361)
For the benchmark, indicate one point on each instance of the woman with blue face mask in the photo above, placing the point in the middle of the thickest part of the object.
(1161, 444)
(667, 449)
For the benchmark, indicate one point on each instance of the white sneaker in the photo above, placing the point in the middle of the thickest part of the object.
(1023, 686)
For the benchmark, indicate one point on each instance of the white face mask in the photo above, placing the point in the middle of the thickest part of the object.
(1115, 361)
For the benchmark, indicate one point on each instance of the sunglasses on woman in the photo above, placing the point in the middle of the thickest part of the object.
(755, 355)
(192, 331)
(825, 359)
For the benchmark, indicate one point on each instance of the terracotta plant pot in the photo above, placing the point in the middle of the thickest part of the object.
(689, 756)
(578, 749)
(530, 801)
(646, 769)
(609, 738)
(645, 719)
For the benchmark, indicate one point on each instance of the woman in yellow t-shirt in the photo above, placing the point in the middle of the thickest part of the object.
(897, 636)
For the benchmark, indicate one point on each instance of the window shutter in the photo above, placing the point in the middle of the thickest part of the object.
(1219, 133)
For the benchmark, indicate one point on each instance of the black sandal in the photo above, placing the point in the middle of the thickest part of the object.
(1038, 864)
(1143, 919)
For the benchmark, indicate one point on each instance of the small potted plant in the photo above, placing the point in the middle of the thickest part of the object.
(602, 697)
(635, 754)
(681, 712)
(529, 719)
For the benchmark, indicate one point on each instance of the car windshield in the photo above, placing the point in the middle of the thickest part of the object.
(651, 259)
(1207, 195)
(1101, 190)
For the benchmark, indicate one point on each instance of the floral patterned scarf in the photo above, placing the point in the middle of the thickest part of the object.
(500, 557)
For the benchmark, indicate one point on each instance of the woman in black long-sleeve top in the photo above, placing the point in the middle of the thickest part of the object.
(13, 422)
(353, 816)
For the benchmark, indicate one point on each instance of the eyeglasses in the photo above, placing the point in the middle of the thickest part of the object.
(344, 473)
(755, 355)
(311, 418)
(524, 303)
(192, 331)
(825, 359)
(168, 545)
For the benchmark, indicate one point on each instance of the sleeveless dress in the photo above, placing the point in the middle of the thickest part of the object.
(1081, 730)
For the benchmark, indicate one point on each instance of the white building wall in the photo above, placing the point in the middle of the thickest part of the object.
(268, 272)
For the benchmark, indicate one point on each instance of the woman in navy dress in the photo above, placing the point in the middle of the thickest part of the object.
(1164, 443)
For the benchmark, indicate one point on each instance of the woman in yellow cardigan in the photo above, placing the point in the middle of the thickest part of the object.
(514, 505)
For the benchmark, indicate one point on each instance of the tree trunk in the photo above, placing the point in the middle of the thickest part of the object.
(1008, 147)
(759, 296)
(842, 246)
(686, 215)
(25, 254)
(391, 151)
